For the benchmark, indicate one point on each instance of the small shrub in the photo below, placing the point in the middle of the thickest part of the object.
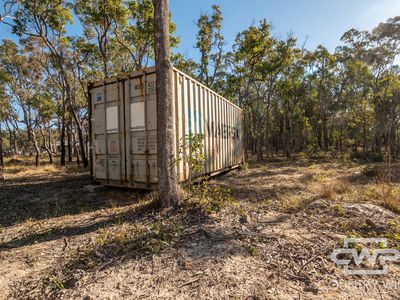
(390, 197)
(191, 150)
(213, 197)
(253, 251)
(319, 155)
(244, 166)
(57, 282)
(339, 210)
(327, 192)
(367, 157)
(371, 170)
(294, 203)
(302, 155)
(385, 194)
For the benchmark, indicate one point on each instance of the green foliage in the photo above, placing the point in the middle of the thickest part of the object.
(319, 103)
(191, 152)
(369, 156)
(125, 238)
(210, 42)
(253, 251)
(121, 33)
(213, 197)
(371, 170)
(244, 166)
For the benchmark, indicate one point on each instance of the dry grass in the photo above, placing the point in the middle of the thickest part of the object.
(20, 166)
(293, 203)
(122, 251)
(385, 194)
(20, 171)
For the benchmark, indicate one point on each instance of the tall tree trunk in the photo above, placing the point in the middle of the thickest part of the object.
(10, 147)
(50, 145)
(79, 130)
(69, 146)
(70, 106)
(76, 150)
(167, 182)
(259, 139)
(325, 133)
(62, 135)
(365, 138)
(45, 146)
(1, 156)
(288, 150)
(37, 148)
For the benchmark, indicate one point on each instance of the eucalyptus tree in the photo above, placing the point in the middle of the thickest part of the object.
(48, 21)
(292, 93)
(22, 83)
(210, 42)
(99, 18)
(136, 33)
(258, 61)
(4, 115)
(378, 50)
(168, 185)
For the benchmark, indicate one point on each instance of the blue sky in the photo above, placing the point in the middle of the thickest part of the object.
(321, 21)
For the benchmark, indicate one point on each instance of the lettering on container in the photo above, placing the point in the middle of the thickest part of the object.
(151, 143)
(151, 87)
(216, 129)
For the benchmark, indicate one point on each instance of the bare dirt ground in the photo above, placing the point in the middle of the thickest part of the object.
(272, 240)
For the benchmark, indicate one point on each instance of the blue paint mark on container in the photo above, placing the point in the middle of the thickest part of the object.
(197, 120)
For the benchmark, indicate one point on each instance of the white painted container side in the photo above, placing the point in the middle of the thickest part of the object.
(124, 128)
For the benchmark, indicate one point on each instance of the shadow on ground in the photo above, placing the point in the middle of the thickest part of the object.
(39, 197)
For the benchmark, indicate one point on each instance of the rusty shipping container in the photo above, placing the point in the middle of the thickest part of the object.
(123, 125)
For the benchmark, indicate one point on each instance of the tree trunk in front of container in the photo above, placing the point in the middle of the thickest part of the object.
(167, 182)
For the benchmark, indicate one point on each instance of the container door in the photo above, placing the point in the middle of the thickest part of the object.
(108, 133)
(141, 124)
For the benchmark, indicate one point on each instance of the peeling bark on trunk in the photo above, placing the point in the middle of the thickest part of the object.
(167, 182)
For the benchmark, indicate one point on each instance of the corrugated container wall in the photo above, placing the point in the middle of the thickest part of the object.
(124, 128)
